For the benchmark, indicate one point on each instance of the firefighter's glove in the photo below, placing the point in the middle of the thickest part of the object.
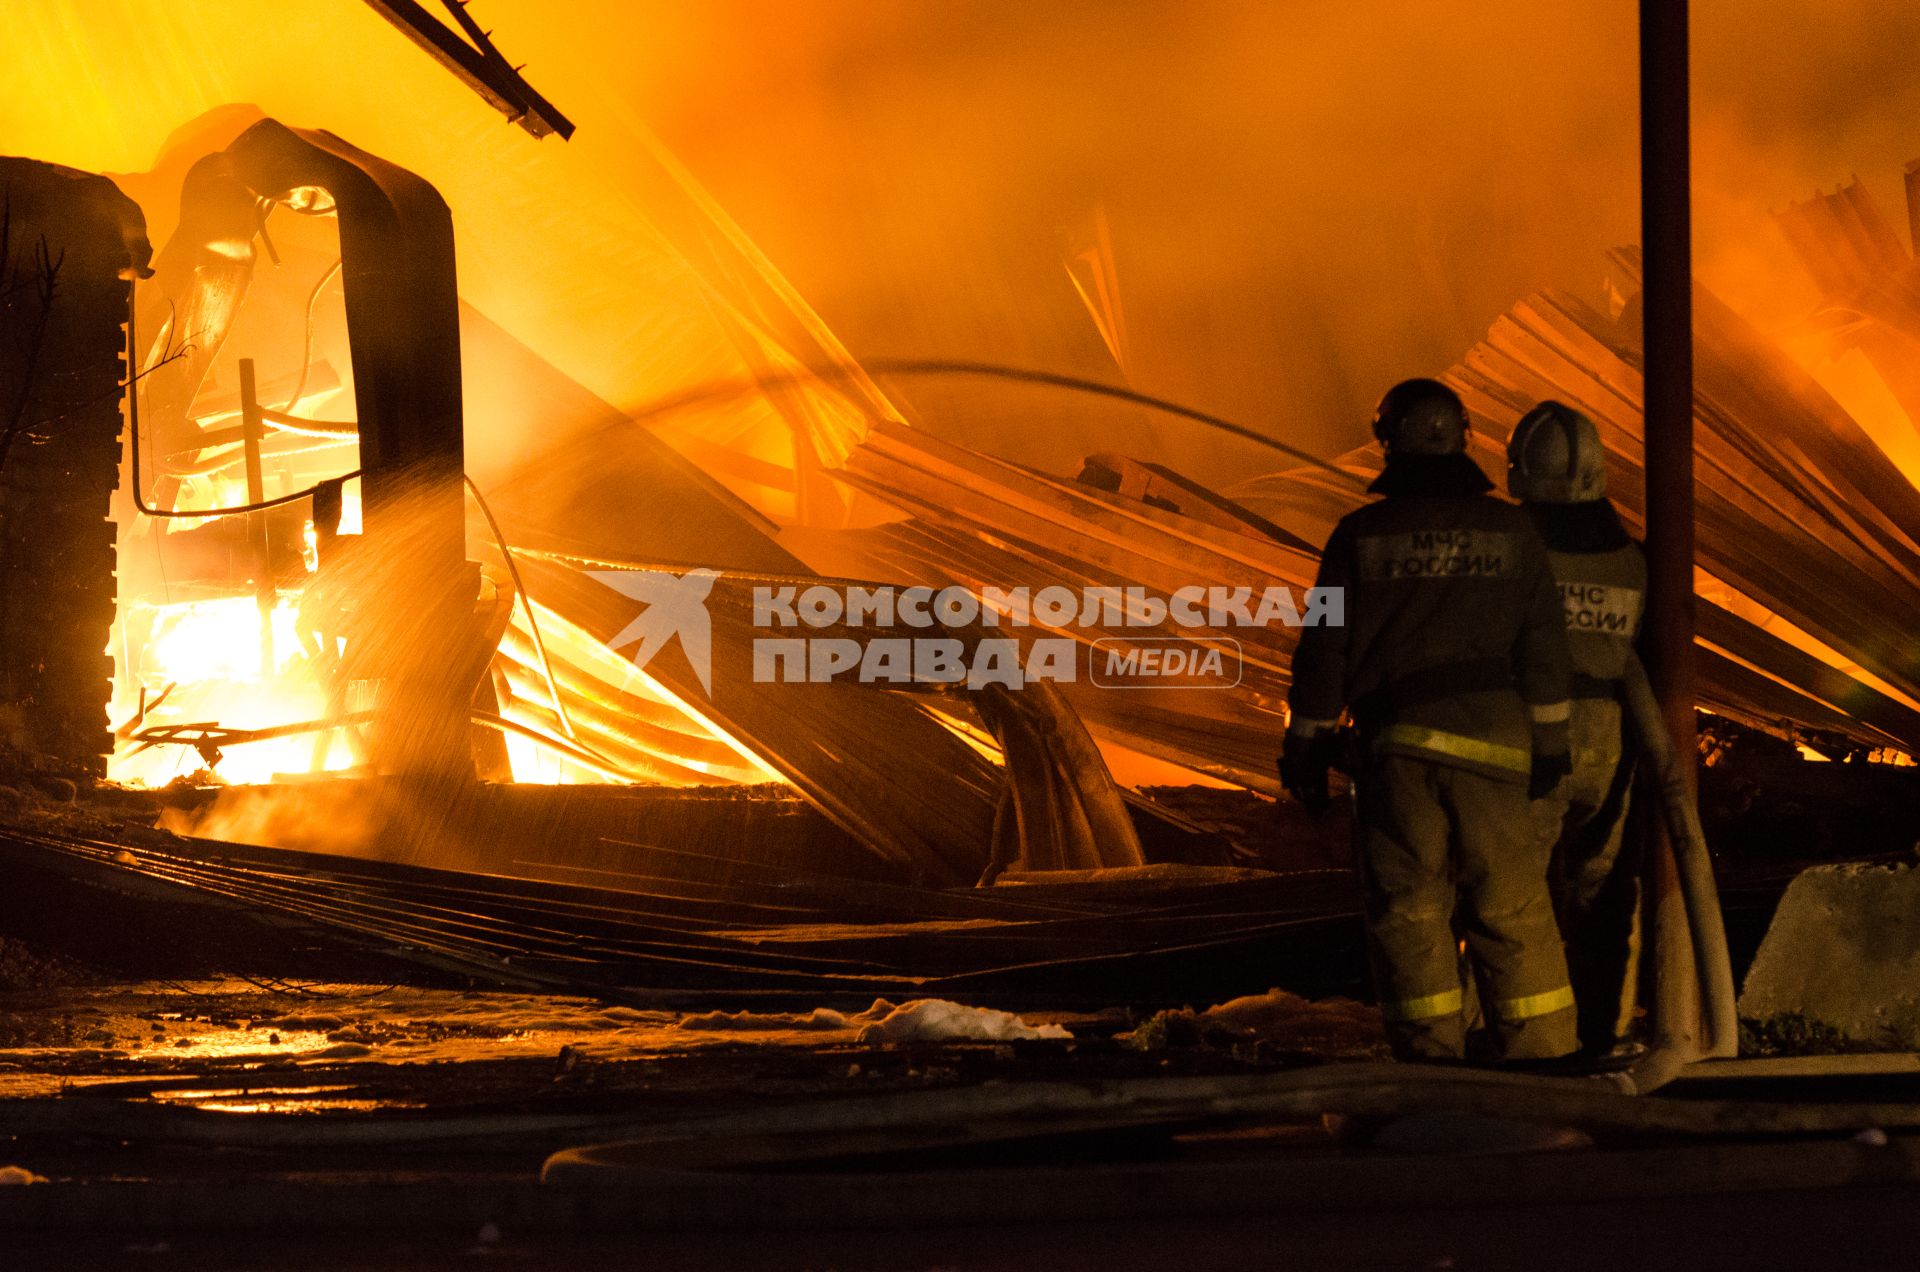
(1549, 769)
(1304, 761)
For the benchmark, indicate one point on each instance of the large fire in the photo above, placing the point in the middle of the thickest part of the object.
(219, 662)
(606, 262)
(213, 683)
(200, 662)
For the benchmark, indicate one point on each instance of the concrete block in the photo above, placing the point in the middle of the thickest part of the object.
(1843, 951)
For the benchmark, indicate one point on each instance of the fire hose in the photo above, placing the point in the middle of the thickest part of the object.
(1712, 965)
(764, 1137)
(1703, 957)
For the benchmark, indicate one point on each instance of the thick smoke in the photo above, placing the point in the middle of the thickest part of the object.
(1307, 200)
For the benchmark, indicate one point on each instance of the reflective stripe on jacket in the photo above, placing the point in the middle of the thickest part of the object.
(1433, 580)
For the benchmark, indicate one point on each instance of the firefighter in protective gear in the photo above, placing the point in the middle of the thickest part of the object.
(1452, 663)
(1557, 470)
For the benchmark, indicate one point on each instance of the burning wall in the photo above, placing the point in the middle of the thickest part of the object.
(70, 246)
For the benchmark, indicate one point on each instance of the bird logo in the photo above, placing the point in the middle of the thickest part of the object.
(676, 605)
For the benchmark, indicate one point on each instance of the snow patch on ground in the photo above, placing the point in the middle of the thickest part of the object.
(921, 1020)
(937, 1020)
(1276, 1020)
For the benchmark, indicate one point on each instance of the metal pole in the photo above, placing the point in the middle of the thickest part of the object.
(1667, 297)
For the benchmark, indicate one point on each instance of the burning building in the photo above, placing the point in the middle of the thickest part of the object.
(769, 454)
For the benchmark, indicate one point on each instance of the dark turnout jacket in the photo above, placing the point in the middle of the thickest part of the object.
(1454, 647)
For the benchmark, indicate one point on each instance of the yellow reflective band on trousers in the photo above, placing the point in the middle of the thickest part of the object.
(1535, 1004)
(1444, 1003)
(1456, 745)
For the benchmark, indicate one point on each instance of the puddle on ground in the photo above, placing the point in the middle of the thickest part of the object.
(79, 1036)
